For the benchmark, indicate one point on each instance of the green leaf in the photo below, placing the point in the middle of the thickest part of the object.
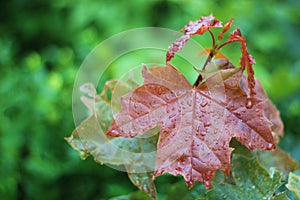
(252, 181)
(77, 144)
(133, 196)
(280, 196)
(278, 159)
(136, 154)
(248, 180)
(144, 181)
(179, 191)
(294, 184)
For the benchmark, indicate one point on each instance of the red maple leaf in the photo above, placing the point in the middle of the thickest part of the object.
(191, 29)
(196, 122)
(246, 60)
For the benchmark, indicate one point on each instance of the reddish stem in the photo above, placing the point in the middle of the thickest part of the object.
(213, 38)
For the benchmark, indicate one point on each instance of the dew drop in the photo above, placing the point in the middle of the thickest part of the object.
(249, 104)
(172, 115)
(206, 124)
(207, 183)
(270, 146)
(250, 145)
(203, 104)
(115, 132)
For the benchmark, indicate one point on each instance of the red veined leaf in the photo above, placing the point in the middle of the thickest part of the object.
(192, 28)
(226, 28)
(196, 123)
(246, 60)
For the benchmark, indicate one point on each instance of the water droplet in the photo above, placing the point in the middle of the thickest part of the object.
(249, 104)
(207, 183)
(250, 145)
(172, 115)
(115, 132)
(202, 133)
(272, 172)
(270, 146)
(206, 124)
(203, 104)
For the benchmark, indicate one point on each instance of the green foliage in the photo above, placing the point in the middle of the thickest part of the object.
(294, 184)
(89, 139)
(42, 46)
(249, 180)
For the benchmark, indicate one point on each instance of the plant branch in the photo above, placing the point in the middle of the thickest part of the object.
(224, 44)
(199, 79)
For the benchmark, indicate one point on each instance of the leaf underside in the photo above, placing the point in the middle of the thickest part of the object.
(89, 139)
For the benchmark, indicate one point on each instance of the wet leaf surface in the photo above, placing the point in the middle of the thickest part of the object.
(196, 123)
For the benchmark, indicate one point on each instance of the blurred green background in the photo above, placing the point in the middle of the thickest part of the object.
(42, 44)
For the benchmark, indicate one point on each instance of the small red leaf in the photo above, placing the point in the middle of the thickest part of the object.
(201, 26)
(192, 28)
(226, 28)
(246, 60)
